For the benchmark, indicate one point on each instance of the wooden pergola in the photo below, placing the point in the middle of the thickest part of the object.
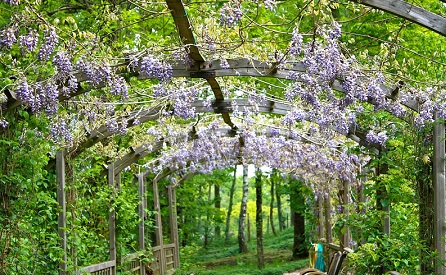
(210, 72)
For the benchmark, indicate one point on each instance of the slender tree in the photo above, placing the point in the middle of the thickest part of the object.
(231, 199)
(271, 208)
(259, 220)
(217, 204)
(243, 247)
(275, 178)
(298, 208)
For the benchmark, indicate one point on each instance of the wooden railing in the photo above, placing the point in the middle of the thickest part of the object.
(132, 264)
(105, 268)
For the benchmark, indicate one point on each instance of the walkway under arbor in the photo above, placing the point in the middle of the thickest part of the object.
(167, 254)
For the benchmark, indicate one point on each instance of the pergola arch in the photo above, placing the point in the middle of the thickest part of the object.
(244, 67)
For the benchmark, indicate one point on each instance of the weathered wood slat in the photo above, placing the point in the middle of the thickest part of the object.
(62, 221)
(410, 12)
(98, 267)
(439, 195)
(112, 217)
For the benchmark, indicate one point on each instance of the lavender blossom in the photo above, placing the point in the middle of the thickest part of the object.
(49, 45)
(270, 4)
(51, 95)
(230, 15)
(296, 42)
(374, 138)
(29, 42)
(12, 2)
(61, 133)
(118, 86)
(335, 32)
(7, 38)
(3, 123)
(152, 67)
(112, 125)
(24, 93)
(224, 64)
(63, 64)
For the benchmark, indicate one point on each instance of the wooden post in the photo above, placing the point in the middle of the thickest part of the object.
(327, 202)
(62, 221)
(112, 216)
(141, 196)
(320, 209)
(346, 212)
(159, 227)
(439, 195)
(328, 232)
(174, 225)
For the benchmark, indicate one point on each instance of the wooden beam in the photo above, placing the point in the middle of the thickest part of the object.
(62, 220)
(159, 226)
(112, 216)
(141, 214)
(184, 28)
(174, 225)
(410, 12)
(439, 195)
(98, 267)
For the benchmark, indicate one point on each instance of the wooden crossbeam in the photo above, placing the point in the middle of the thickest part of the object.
(410, 12)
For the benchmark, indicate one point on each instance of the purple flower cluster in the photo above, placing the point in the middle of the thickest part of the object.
(63, 64)
(29, 42)
(182, 101)
(160, 90)
(224, 64)
(335, 32)
(96, 74)
(12, 2)
(3, 123)
(153, 67)
(184, 57)
(270, 4)
(374, 138)
(39, 96)
(49, 98)
(50, 41)
(231, 14)
(118, 86)
(293, 116)
(296, 42)
(25, 93)
(7, 38)
(61, 133)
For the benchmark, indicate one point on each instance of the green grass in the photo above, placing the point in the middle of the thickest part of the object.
(220, 258)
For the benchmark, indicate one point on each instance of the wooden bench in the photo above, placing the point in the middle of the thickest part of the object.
(333, 269)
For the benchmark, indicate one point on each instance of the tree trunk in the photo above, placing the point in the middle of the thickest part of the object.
(297, 203)
(217, 199)
(259, 220)
(320, 216)
(282, 225)
(231, 199)
(243, 247)
(208, 221)
(271, 208)
(249, 228)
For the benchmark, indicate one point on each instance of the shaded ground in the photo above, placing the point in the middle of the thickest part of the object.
(222, 258)
(270, 257)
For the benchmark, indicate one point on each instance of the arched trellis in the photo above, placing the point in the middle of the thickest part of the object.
(113, 174)
(207, 75)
